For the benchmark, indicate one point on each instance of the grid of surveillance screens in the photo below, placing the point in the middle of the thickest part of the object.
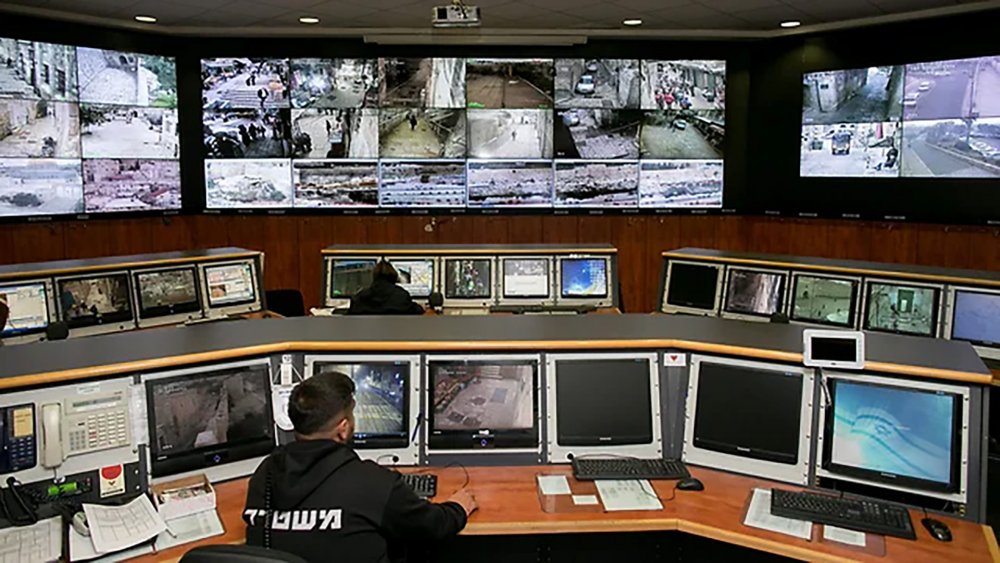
(86, 130)
(937, 119)
(454, 133)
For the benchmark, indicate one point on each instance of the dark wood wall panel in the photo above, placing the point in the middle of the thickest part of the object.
(292, 244)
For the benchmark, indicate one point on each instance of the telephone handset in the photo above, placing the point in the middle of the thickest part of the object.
(17, 438)
(84, 424)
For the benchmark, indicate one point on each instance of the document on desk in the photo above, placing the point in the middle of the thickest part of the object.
(553, 485)
(628, 494)
(190, 528)
(850, 537)
(82, 549)
(113, 528)
(759, 516)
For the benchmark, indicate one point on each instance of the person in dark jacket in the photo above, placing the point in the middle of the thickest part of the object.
(326, 503)
(384, 296)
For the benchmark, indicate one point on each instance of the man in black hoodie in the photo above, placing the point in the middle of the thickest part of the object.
(323, 503)
(384, 296)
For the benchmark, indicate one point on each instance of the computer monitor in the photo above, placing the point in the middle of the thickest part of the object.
(382, 400)
(754, 293)
(416, 275)
(468, 279)
(824, 300)
(348, 276)
(526, 278)
(975, 318)
(904, 435)
(98, 300)
(28, 302)
(583, 278)
(208, 416)
(692, 287)
(901, 308)
(167, 295)
(482, 403)
(231, 286)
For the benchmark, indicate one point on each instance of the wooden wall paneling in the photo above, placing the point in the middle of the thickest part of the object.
(939, 245)
(849, 240)
(731, 234)
(377, 230)
(417, 229)
(210, 231)
(168, 234)
(525, 230)
(894, 242)
(276, 237)
(559, 229)
(628, 234)
(32, 242)
(109, 237)
(664, 233)
(490, 229)
(596, 229)
(698, 231)
(770, 234)
(805, 237)
(984, 253)
(454, 230)
(313, 235)
(348, 230)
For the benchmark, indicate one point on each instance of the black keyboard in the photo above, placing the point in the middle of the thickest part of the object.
(861, 515)
(589, 469)
(423, 484)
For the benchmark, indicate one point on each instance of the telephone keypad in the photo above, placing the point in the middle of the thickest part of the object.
(98, 432)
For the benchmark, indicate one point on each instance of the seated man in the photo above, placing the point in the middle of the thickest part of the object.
(326, 504)
(4, 314)
(384, 296)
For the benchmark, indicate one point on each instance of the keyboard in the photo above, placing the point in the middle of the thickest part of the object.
(589, 469)
(861, 515)
(423, 484)
(41, 541)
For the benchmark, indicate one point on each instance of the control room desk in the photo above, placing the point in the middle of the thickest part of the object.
(509, 505)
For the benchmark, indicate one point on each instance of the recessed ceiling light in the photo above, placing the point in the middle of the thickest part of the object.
(145, 19)
(308, 19)
(791, 23)
(632, 22)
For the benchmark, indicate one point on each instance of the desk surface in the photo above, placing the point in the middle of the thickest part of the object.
(509, 505)
(123, 262)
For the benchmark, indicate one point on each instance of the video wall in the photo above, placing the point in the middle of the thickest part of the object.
(935, 119)
(86, 130)
(404, 133)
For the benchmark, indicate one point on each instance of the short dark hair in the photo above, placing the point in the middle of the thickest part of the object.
(320, 401)
(384, 271)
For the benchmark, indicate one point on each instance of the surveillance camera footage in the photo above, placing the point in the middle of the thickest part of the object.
(422, 83)
(94, 297)
(334, 83)
(482, 397)
(244, 83)
(597, 134)
(509, 83)
(905, 309)
(510, 183)
(115, 185)
(115, 77)
(596, 184)
(129, 132)
(39, 129)
(683, 134)
(468, 278)
(680, 183)
(167, 288)
(35, 70)
(863, 95)
(952, 148)
(965, 88)
(248, 183)
(520, 133)
(421, 133)
(44, 186)
(851, 149)
(335, 183)
(380, 396)
(754, 293)
(597, 83)
(824, 300)
(683, 85)
(334, 133)
(422, 184)
(247, 133)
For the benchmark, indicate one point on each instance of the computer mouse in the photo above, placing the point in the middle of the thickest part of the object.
(937, 528)
(79, 523)
(690, 484)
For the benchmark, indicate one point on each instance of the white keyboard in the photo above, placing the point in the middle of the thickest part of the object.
(40, 542)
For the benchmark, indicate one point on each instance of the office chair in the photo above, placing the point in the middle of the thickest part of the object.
(779, 318)
(238, 554)
(436, 301)
(285, 302)
(4, 315)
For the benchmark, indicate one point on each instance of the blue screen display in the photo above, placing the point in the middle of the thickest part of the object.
(584, 277)
(903, 432)
(977, 317)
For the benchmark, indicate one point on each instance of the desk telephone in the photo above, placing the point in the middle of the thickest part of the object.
(83, 424)
(17, 432)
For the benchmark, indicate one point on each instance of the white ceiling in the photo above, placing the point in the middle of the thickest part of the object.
(725, 17)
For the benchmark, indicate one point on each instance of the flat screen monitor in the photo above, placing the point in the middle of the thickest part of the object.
(381, 409)
(526, 277)
(198, 420)
(348, 277)
(749, 412)
(416, 276)
(483, 403)
(755, 292)
(95, 300)
(468, 278)
(975, 317)
(901, 308)
(29, 308)
(167, 292)
(230, 284)
(904, 436)
(583, 277)
(824, 300)
(603, 402)
(693, 286)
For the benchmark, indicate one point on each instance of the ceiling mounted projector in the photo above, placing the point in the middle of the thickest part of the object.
(455, 15)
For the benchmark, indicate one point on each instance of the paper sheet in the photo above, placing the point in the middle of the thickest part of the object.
(553, 485)
(628, 494)
(187, 529)
(759, 516)
(113, 528)
(82, 549)
(585, 500)
(850, 537)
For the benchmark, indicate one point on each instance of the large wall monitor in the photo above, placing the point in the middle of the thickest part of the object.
(477, 133)
(86, 130)
(824, 300)
(31, 304)
(901, 307)
(416, 275)
(97, 303)
(468, 281)
(754, 293)
(584, 280)
(230, 288)
(345, 278)
(749, 417)
(603, 404)
(526, 280)
(904, 435)
(692, 288)
(215, 419)
(973, 315)
(483, 403)
(387, 396)
(167, 296)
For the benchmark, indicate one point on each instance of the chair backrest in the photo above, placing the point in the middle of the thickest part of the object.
(57, 331)
(285, 302)
(4, 315)
(238, 554)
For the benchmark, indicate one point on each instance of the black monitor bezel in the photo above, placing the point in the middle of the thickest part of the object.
(48, 313)
(599, 441)
(855, 294)
(245, 301)
(562, 277)
(494, 439)
(333, 272)
(379, 441)
(97, 320)
(728, 294)
(879, 476)
(162, 465)
(502, 273)
(430, 261)
(935, 313)
(954, 309)
(166, 310)
(670, 288)
(448, 290)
